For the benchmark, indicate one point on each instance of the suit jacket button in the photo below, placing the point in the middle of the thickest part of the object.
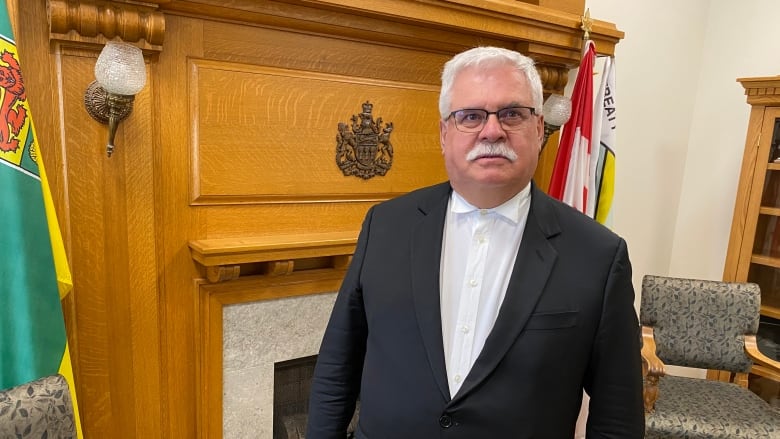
(445, 421)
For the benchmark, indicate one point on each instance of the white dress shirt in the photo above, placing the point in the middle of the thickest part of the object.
(478, 254)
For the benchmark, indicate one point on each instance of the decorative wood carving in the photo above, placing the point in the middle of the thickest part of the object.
(364, 149)
(554, 78)
(280, 268)
(91, 20)
(223, 273)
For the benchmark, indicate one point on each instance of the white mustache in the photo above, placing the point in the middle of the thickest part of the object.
(498, 149)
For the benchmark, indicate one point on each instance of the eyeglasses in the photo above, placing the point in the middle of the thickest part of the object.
(470, 120)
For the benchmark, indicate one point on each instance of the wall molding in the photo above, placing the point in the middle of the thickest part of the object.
(96, 21)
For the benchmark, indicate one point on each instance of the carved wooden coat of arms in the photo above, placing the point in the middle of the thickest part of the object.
(363, 148)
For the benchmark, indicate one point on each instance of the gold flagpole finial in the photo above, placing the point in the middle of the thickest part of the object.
(587, 24)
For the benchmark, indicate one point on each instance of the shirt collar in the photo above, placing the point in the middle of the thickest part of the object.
(510, 209)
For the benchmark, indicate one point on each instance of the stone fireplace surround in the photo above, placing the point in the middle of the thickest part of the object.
(257, 335)
(263, 301)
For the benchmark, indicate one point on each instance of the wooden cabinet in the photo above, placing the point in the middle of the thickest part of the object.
(754, 244)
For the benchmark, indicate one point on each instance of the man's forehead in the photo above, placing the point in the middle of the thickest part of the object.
(508, 91)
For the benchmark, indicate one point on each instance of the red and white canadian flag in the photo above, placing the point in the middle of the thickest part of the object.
(569, 180)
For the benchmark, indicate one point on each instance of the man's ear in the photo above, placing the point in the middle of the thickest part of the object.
(442, 133)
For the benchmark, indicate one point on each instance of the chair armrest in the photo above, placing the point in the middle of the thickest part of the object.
(652, 369)
(767, 364)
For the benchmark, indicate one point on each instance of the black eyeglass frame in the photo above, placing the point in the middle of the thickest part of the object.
(487, 116)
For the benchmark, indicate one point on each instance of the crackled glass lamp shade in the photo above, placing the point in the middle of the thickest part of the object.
(120, 73)
(557, 111)
(120, 69)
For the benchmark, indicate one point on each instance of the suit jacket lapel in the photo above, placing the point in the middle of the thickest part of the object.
(535, 259)
(425, 263)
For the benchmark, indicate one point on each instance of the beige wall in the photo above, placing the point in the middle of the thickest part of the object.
(740, 41)
(657, 65)
(682, 123)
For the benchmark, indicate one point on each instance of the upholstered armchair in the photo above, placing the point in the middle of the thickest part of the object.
(38, 409)
(708, 325)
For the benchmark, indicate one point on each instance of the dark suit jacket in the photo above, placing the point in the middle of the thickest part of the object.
(567, 323)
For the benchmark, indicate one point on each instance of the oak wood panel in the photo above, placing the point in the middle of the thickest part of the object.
(327, 54)
(235, 221)
(312, 27)
(267, 134)
(556, 33)
(142, 269)
(178, 223)
(86, 199)
(112, 204)
(572, 6)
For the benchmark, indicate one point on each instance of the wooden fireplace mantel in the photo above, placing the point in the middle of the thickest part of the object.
(222, 258)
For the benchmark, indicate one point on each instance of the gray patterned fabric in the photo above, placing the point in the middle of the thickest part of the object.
(38, 409)
(716, 410)
(701, 323)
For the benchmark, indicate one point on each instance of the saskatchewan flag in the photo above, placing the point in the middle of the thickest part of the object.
(34, 274)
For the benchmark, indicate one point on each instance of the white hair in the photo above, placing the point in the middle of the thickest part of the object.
(486, 57)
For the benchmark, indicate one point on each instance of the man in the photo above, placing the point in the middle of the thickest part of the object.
(481, 308)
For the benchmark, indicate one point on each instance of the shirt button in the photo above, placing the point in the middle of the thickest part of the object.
(464, 329)
(473, 282)
(445, 421)
(457, 378)
(481, 239)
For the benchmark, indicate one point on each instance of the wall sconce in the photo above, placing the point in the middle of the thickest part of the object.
(120, 74)
(556, 110)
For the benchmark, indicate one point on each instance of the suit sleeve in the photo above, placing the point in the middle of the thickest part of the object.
(614, 376)
(337, 374)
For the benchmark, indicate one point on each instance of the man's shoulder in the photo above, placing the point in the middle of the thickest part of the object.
(418, 197)
(568, 218)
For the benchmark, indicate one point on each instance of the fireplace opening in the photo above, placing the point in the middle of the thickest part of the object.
(292, 385)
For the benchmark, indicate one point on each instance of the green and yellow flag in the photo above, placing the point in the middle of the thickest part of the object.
(34, 275)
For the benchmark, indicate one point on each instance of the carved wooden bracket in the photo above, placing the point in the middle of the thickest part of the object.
(95, 21)
(554, 78)
(224, 258)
